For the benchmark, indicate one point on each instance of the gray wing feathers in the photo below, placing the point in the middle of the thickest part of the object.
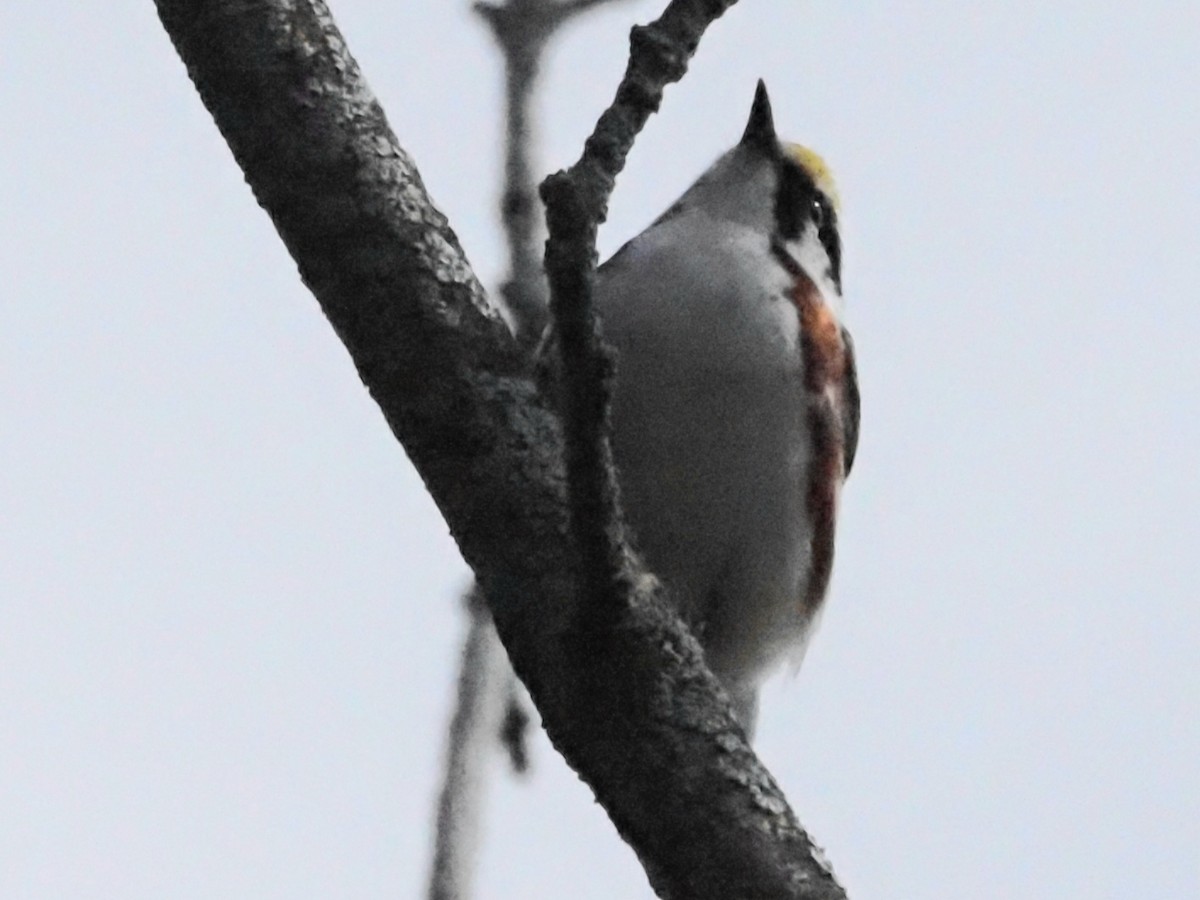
(851, 404)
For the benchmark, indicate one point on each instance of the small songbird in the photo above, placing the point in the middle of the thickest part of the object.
(735, 404)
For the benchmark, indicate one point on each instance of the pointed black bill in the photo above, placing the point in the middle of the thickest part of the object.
(760, 130)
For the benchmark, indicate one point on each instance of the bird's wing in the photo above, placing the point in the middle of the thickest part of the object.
(851, 405)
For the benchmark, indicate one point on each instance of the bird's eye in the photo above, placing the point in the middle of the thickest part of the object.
(817, 211)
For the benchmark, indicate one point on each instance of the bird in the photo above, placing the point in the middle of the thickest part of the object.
(735, 402)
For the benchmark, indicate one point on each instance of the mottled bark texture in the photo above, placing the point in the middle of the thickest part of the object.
(624, 693)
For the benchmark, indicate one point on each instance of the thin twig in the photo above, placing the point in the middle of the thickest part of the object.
(480, 706)
(522, 29)
(576, 203)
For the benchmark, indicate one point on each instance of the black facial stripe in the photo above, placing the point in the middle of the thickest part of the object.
(832, 242)
(794, 200)
(792, 197)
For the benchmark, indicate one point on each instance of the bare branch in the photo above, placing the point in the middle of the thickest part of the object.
(631, 707)
(521, 29)
(576, 204)
(480, 706)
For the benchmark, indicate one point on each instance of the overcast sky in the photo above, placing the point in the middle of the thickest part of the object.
(228, 614)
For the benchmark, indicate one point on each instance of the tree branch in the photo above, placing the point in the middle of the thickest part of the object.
(576, 204)
(522, 29)
(631, 707)
(480, 706)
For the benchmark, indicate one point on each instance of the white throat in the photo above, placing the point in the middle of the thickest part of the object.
(809, 253)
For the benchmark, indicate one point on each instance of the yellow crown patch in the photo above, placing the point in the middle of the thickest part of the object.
(816, 168)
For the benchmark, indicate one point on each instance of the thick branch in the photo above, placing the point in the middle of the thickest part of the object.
(632, 708)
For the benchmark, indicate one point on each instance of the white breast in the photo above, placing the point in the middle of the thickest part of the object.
(709, 435)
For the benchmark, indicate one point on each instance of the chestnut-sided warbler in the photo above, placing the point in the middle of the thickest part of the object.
(735, 404)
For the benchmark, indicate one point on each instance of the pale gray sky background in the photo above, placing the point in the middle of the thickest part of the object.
(228, 615)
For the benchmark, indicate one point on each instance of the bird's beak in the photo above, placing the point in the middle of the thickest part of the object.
(760, 130)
